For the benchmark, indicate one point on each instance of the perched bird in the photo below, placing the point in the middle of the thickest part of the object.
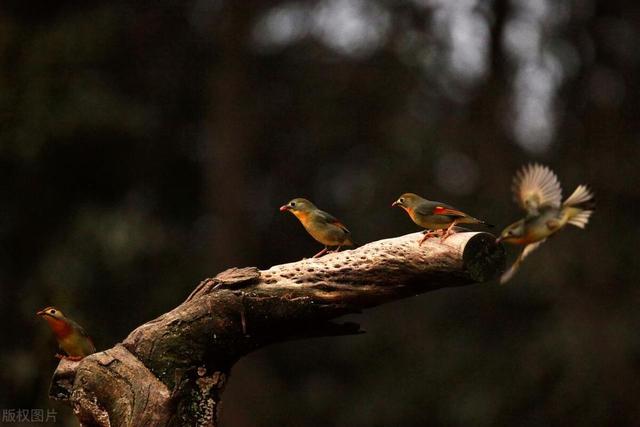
(537, 190)
(71, 337)
(436, 217)
(322, 226)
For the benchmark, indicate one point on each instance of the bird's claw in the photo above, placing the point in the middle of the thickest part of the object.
(427, 234)
(445, 236)
(322, 252)
(448, 232)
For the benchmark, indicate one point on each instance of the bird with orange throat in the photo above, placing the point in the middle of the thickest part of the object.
(537, 191)
(322, 226)
(435, 217)
(71, 338)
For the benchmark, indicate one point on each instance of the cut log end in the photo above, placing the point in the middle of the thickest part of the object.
(483, 258)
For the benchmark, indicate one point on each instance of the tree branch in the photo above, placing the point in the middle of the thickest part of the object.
(173, 369)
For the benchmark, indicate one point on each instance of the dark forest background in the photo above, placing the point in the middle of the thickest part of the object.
(145, 146)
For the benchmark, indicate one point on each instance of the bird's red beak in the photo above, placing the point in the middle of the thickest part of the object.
(40, 313)
(284, 208)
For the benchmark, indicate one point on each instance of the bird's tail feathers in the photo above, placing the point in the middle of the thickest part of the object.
(486, 224)
(471, 220)
(580, 219)
(581, 198)
(579, 206)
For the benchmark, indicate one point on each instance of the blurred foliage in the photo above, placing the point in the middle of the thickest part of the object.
(145, 146)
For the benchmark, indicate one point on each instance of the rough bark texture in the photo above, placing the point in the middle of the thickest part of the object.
(173, 369)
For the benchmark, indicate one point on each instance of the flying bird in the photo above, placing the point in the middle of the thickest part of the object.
(537, 190)
(322, 226)
(435, 217)
(70, 336)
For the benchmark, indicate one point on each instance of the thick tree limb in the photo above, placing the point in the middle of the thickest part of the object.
(172, 370)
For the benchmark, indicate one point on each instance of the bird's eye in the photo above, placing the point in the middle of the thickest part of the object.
(292, 204)
(52, 311)
(401, 200)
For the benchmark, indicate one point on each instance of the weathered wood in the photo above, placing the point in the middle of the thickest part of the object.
(173, 369)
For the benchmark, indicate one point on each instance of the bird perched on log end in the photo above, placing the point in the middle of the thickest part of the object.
(435, 217)
(322, 226)
(70, 336)
(537, 190)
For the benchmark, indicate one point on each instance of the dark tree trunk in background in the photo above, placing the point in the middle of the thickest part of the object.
(230, 132)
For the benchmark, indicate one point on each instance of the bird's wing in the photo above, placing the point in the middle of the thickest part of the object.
(508, 275)
(442, 209)
(536, 186)
(423, 209)
(82, 332)
(438, 208)
(530, 248)
(78, 328)
(330, 219)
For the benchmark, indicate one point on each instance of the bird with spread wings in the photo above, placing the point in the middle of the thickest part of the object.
(537, 190)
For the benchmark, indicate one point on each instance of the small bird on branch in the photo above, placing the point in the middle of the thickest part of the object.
(435, 217)
(322, 226)
(71, 337)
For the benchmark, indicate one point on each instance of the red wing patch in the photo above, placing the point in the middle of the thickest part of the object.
(441, 210)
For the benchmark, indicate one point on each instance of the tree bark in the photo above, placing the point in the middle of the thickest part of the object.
(173, 369)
